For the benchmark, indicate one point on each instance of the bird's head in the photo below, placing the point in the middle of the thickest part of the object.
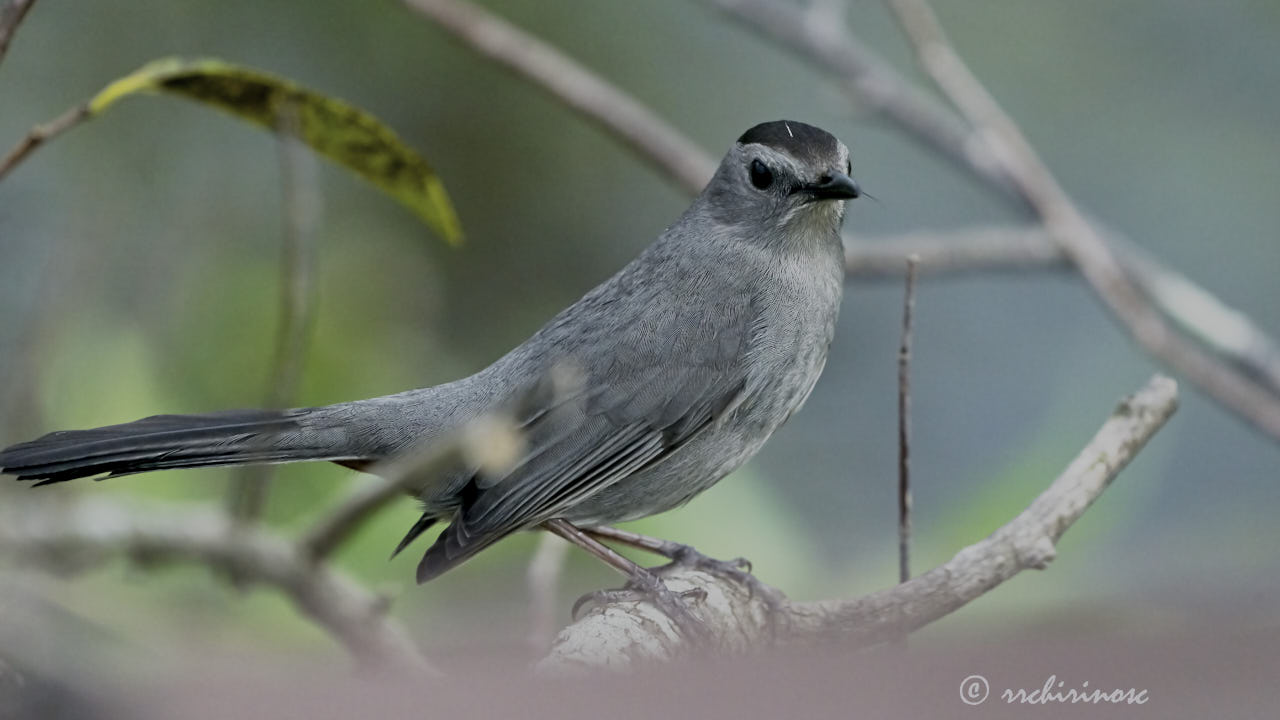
(782, 181)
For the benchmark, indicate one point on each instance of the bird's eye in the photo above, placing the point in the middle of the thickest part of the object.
(761, 176)
(848, 167)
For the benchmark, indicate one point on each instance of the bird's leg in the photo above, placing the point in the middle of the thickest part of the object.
(681, 555)
(639, 581)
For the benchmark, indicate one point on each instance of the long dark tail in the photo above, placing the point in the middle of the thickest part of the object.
(235, 437)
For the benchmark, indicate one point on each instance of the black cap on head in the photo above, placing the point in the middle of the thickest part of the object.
(804, 142)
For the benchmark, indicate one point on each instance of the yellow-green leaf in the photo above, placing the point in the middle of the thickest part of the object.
(335, 129)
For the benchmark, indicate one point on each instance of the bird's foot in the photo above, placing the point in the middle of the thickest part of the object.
(651, 588)
(684, 556)
(737, 570)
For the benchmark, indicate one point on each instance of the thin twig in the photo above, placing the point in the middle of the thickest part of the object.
(368, 495)
(10, 18)
(954, 253)
(581, 89)
(488, 443)
(247, 495)
(904, 424)
(41, 134)
(1068, 226)
(88, 533)
(625, 633)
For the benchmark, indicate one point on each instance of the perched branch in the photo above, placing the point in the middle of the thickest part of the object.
(90, 532)
(623, 634)
(595, 98)
(10, 18)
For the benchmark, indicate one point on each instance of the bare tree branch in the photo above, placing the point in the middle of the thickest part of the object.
(954, 252)
(581, 89)
(870, 81)
(1027, 542)
(1226, 331)
(625, 634)
(874, 82)
(41, 134)
(87, 533)
(10, 18)
(1072, 231)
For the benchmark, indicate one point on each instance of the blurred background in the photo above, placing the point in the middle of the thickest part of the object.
(139, 274)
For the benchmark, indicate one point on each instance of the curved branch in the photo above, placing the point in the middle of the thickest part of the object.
(624, 634)
(90, 532)
(581, 89)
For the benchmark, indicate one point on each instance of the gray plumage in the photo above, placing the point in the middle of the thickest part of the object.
(688, 359)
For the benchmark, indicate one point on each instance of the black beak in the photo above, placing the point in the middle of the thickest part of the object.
(834, 185)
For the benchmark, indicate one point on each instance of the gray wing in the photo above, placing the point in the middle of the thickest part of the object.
(645, 392)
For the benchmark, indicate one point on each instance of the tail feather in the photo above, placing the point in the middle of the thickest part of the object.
(234, 437)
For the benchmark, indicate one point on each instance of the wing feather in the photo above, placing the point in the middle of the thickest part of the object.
(640, 401)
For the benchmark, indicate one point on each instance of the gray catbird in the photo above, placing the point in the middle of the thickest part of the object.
(688, 359)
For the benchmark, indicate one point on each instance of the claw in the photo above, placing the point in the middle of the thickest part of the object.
(698, 595)
(590, 597)
(738, 570)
